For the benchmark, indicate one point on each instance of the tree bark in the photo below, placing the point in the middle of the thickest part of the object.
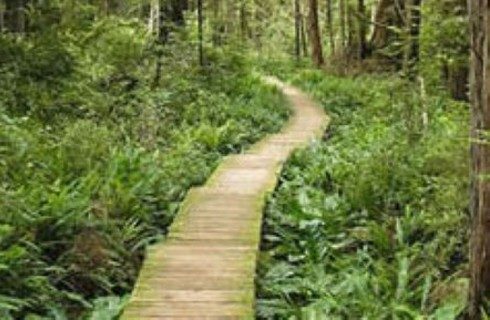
(362, 25)
(342, 12)
(480, 156)
(386, 16)
(2, 16)
(244, 20)
(351, 32)
(200, 27)
(165, 17)
(297, 29)
(304, 40)
(330, 30)
(314, 32)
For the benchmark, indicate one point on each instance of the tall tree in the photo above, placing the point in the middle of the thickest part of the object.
(331, 33)
(314, 32)
(2, 16)
(362, 29)
(480, 155)
(166, 16)
(351, 31)
(342, 7)
(388, 18)
(297, 29)
(200, 27)
(304, 37)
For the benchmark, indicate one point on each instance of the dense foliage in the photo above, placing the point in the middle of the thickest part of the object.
(110, 111)
(372, 223)
(95, 160)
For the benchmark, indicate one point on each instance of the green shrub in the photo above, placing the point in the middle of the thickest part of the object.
(94, 162)
(370, 224)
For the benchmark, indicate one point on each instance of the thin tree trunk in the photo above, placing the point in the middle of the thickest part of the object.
(2, 16)
(154, 19)
(361, 11)
(304, 41)
(200, 23)
(158, 25)
(243, 20)
(330, 30)
(384, 13)
(342, 24)
(297, 29)
(314, 32)
(350, 28)
(480, 156)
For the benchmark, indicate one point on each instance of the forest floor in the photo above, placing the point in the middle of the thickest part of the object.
(207, 264)
(353, 230)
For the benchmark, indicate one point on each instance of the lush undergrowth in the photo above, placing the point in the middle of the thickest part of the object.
(94, 162)
(370, 224)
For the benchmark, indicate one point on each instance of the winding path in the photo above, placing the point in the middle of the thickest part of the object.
(205, 269)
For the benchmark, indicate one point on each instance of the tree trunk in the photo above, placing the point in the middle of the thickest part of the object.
(351, 32)
(362, 17)
(457, 81)
(163, 21)
(390, 16)
(480, 156)
(314, 32)
(2, 16)
(154, 19)
(243, 20)
(200, 23)
(297, 29)
(304, 41)
(386, 16)
(342, 24)
(330, 30)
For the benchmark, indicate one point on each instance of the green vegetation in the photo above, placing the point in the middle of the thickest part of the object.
(94, 163)
(370, 224)
(111, 110)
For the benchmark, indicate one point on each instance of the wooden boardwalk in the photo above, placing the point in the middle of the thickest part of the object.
(205, 269)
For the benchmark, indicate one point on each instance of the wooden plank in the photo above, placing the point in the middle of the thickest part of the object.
(206, 267)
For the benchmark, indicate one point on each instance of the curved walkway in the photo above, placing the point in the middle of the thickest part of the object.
(205, 269)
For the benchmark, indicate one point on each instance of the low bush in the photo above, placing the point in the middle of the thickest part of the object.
(371, 224)
(94, 162)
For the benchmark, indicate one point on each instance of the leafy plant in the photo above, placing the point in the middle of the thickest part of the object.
(95, 161)
(369, 224)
